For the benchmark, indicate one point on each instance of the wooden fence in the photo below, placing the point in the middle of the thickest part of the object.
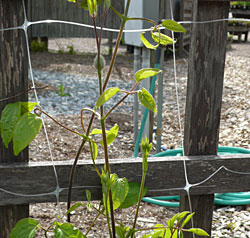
(66, 11)
(166, 175)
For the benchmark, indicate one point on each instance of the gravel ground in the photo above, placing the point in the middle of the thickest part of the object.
(234, 131)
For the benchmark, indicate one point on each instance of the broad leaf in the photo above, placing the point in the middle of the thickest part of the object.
(146, 73)
(25, 228)
(107, 95)
(147, 43)
(25, 131)
(27, 107)
(147, 100)
(173, 26)
(133, 195)
(163, 40)
(10, 116)
(120, 190)
(187, 219)
(198, 231)
(74, 207)
(67, 230)
(111, 135)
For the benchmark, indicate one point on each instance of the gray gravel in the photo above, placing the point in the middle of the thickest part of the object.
(81, 92)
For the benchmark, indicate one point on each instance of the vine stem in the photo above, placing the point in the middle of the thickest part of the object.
(73, 169)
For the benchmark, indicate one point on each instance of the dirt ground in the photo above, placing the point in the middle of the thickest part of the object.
(64, 148)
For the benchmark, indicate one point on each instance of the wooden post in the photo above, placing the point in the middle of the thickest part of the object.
(13, 80)
(203, 105)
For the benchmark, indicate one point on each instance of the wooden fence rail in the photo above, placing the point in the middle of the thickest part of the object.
(165, 177)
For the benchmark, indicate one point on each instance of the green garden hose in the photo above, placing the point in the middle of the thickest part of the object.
(233, 199)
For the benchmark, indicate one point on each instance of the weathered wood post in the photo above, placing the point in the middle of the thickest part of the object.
(204, 95)
(13, 80)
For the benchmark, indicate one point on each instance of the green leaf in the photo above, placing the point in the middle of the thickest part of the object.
(187, 219)
(88, 195)
(120, 190)
(133, 195)
(120, 232)
(146, 148)
(171, 221)
(84, 4)
(181, 234)
(74, 207)
(96, 132)
(198, 231)
(10, 116)
(147, 100)
(168, 233)
(27, 107)
(173, 26)
(146, 73)
(25, 131)
(25, 228)
(107, 95)
(111, 134)
(107, 4)
(67, 230)
(92, 5)
(181, 215)
(163, 40)
(147, 43)
(94, 150)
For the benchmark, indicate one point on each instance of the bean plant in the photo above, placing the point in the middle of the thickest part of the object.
(20, 123)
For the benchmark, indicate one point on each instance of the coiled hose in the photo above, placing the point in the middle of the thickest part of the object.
(233, 199)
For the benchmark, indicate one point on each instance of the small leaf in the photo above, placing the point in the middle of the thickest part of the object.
(27, 107)
(181, 234)
(93, 150)
(88, 195)
(111, 135)
(147, 43)
(67, 230)
(187, 219)
(25, 131)
(181, 215)
(74, 207)
(107, 95)
(25, 228)
(146, 73)
(198, 231)
(171, 221)
(107, 4)
(147, 100)
(163, 40)
(96, 132)
(9, 118)
(133, 195)
(92, 5)
(173, 26)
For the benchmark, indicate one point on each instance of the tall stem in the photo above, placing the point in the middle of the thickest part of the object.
(124, 20)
